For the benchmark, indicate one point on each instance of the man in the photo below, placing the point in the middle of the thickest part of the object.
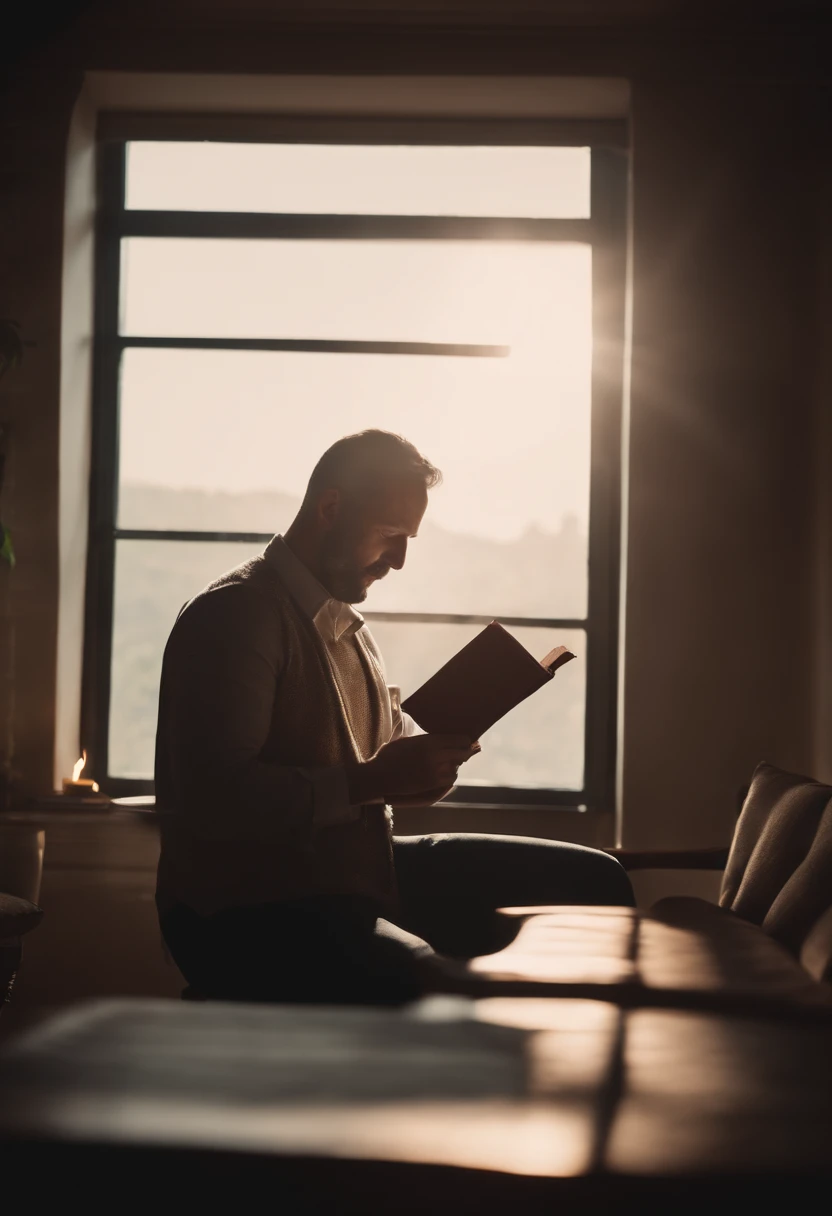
(280, 750)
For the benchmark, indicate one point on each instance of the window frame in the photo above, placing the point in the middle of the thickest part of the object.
(605, 230)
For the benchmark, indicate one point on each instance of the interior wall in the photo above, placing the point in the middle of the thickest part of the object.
(822, 762)
(293, 93)
(34, 120)
(718, 650)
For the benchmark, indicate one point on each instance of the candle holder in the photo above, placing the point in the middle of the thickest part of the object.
(80, 786)
(82, 792)
(83, 787)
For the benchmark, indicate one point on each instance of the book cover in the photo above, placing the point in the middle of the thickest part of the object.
(481, 684)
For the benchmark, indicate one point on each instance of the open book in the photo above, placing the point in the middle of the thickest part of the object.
(481, 683)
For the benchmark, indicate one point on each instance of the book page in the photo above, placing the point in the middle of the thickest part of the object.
(556, 658)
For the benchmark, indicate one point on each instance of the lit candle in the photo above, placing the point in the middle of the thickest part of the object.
(81, 786)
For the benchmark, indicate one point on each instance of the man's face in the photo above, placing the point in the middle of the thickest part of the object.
(367, 536)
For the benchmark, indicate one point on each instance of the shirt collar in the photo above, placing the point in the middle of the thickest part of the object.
(332, 618)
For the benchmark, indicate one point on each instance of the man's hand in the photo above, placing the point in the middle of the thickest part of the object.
(410, 766)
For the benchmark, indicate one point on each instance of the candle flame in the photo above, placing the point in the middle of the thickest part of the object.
(79, 767)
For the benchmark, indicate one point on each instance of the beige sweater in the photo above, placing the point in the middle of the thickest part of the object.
(250, 701)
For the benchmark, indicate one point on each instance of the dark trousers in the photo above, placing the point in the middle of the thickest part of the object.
(338, 950)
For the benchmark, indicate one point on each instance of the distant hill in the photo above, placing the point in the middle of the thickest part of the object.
(147, 506)
(540, 574)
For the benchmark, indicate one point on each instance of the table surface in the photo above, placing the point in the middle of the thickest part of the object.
(43, 812)
(534, 1087)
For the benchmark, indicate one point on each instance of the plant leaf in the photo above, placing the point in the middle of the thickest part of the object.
(11, 345)
(6, 548)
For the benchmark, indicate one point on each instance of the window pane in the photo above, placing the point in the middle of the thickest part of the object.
(359, 180)
(519, 294)
(225, 441)
(540, 744)
(153, 580)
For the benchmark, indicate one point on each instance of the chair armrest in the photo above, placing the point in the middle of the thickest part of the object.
(671, 859)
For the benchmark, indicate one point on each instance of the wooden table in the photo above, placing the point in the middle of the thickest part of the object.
(446, 1106)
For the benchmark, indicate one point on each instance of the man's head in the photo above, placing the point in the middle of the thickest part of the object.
(365, 500)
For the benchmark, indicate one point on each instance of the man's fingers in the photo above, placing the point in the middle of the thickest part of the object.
(457, 748)
(455, 755)
(454, 742)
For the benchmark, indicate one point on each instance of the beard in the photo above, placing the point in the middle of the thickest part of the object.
(342, 576)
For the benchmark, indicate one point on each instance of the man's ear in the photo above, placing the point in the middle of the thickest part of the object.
(329, 506)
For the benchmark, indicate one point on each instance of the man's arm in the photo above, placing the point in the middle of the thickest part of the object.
(220, 677)
(221, 672)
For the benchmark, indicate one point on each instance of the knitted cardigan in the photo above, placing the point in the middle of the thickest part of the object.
(225, 841)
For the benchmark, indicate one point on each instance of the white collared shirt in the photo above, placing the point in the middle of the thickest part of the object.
(332, 617)
(334, 621)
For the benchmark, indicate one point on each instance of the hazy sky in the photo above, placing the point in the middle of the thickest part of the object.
(359, 180)
(511, 435)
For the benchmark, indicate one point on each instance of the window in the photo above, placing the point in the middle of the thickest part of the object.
(257, 300)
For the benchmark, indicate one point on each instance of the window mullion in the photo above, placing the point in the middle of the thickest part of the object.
(453, 350)
(98, 624)
(255, 225)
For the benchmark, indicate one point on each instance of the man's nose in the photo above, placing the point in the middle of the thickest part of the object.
(396, 554)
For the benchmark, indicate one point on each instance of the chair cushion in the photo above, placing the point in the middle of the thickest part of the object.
(807, 893)
(17, 916)
(816, 951)
(563, 947)
(776, 831)
(686, 952)
(713, 948)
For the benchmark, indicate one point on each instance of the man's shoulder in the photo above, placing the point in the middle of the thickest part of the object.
(247, 591)
(256, 576)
